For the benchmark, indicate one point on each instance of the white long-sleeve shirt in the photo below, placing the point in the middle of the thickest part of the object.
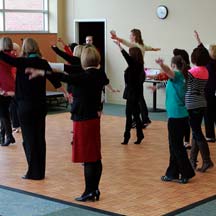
(143, 48)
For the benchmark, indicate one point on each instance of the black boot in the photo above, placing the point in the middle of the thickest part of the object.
(2, 135)
(194, 153)
(86, 197)
(6, 124)
(205, 153)
(206, 165)
(139, 132)
(8, 141)
(89, 174)
(2, 139)
(126, 138)
(139, 139)
(98, 172)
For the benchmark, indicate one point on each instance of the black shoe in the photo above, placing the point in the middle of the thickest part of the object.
(205, 166)
(210, 139)
(8, 141)
(24, 177)
(125, 142)
(84, 198)
(183, 180)
(97, 195)
(139, 140)
(166, 178)
(146, 124)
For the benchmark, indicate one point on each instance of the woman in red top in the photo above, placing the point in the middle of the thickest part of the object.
(7, 86)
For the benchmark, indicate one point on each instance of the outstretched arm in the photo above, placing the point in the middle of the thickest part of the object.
(129, 44)
(170, 73)
(124, 53)
(65, 46)
(111, 89)
(61, 41)
(197, 37)
(69, 58)
(16, 62)
(155, 49)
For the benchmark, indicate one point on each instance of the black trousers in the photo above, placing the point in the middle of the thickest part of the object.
(32, 121)
(14, 113)
(6, 128)
(187, 132)
(92, 173)
(210, 116)
(143, 110)
(179, 163)
(199, 142)
(133, 110)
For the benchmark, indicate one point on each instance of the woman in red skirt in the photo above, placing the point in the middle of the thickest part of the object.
(88, 85)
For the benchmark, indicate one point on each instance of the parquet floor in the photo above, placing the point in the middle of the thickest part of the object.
(130, 183)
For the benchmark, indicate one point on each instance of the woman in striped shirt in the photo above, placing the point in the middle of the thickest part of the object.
(196, 103)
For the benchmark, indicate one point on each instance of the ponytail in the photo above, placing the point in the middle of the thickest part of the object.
(181, 65)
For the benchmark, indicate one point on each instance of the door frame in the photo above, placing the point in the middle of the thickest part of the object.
(76, 37)
(76, 34)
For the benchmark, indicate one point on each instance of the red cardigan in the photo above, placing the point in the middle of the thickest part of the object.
(7, 79)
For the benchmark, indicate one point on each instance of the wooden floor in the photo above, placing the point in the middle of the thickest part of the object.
(130, 182)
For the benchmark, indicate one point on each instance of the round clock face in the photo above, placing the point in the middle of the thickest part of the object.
(162, 11)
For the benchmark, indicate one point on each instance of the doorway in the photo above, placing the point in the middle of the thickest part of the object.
(95, 28)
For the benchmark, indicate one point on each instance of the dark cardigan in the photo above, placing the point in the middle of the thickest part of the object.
(134, 77)
(87, 97)
(31, 90)
(73, 60)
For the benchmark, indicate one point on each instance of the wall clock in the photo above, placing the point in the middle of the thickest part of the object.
(162, 11)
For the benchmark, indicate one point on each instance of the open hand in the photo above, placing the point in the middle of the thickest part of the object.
(113, 35)
(159, 61)
(33, 73)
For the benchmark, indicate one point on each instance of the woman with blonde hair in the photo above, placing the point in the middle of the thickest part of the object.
(7, 87)
(31, 100)
(86, 118)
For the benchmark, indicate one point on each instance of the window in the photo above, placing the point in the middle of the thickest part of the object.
(24, 15)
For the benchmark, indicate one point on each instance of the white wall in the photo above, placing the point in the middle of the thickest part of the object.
(123, 15)
(53, 16)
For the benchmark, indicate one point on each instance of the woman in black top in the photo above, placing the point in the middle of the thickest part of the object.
(71, 60)
(134, 78)
(31, 99)
(86, 117)
(210, 92)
